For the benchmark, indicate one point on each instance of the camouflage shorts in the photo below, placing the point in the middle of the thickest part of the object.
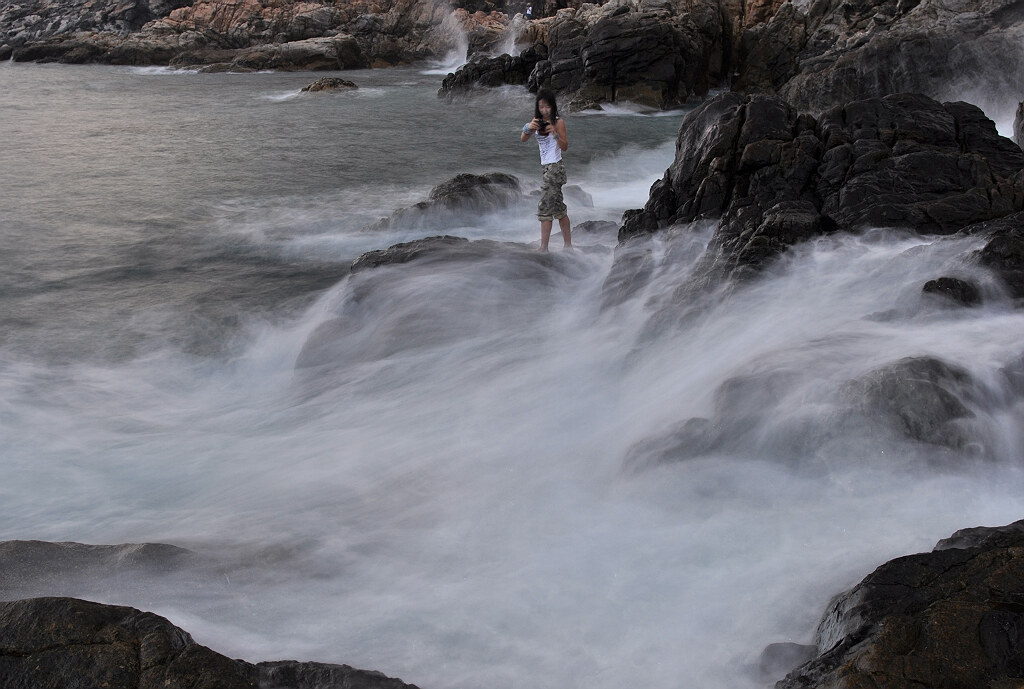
(552, 206)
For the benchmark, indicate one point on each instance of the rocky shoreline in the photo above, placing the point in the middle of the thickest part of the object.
(952, 617)
(816, 54)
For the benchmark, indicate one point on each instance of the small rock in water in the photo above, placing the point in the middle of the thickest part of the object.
(329, 84)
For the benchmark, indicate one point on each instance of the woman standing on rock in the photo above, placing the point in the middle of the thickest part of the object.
(552, 140)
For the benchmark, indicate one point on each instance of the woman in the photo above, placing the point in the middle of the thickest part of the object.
(552, 139)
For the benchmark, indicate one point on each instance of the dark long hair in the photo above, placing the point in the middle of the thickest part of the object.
(549, 96)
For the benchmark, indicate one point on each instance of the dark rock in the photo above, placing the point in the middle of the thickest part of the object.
(955, 290)
(33, 567)
(829, 53)
(329, 84)
(778, 659)
(950, 618)
(406, 252)
(6, 52)
(603, 227)
(917, 398)
(464, 193)
(575, 195)
(53, 643)
(922, 405)
(481, 72)
(1018, 126)
(1004, 252)
(776, 177)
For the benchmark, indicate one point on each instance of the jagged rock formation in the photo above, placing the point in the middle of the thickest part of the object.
(950, 618)
(776, 177)
(52, 643)
(824, 53)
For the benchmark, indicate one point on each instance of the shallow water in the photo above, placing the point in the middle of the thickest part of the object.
(440, 488)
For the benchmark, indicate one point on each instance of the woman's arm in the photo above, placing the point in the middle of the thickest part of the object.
(561, 134)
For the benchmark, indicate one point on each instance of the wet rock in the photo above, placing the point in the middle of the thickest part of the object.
(483, 72)
(240, 35)
(1004, 251)
(917, 398)
(6, 52)
(575, 195)
(949, 618)
(65, 642)
(776, 177)
(335, 52)
(406, 252)
(958, 291)
(656, 53)
(1018, 126)
(596, 227)
(329, 84)
(778, 659)
(33, 567)
(823, 54)
(462, 194)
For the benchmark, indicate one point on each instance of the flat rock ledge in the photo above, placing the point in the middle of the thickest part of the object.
(55, 643)
(952, 618)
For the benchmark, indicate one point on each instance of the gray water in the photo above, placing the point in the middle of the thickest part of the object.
(448, 492)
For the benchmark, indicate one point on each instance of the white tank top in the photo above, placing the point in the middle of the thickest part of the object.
(549, 150)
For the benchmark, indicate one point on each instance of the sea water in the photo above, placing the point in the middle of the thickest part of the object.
(438, 469)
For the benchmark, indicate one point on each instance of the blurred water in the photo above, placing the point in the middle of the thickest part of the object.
(440, 490)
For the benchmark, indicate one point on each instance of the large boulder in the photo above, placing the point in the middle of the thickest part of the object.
(776, 177)
(951, 618)
(57, 643)
(824, 53)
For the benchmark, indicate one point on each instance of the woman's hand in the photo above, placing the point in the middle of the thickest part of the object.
(534, 124)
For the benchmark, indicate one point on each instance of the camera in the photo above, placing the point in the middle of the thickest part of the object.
(543, 126)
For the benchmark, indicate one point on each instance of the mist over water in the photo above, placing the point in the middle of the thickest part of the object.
(449, 470)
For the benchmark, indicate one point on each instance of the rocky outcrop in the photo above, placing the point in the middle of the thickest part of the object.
(950, 618)
(50, 643)
(776, 177)
(828, 52)
(653, 52)
(464, 193)
(485, 72)
(234, 34)
(329, 84)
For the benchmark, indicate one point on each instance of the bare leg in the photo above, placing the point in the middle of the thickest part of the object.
(545, 234)
(565, 225)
